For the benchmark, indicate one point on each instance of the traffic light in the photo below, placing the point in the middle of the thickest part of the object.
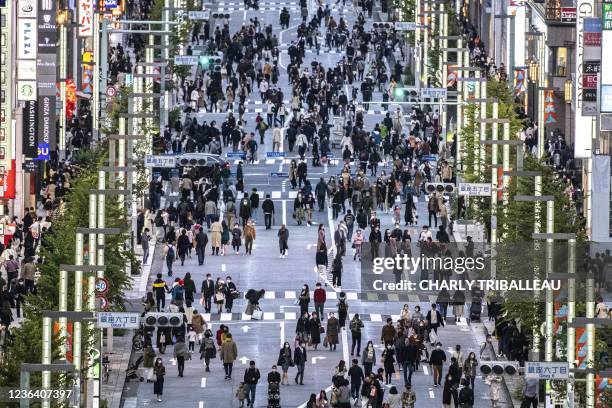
(405, 94)
(498, 367)
(163, 319)
(383, 26)
(442, 188)
(211, 62)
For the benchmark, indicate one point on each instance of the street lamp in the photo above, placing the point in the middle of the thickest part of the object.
(534, 67)
(568, 91)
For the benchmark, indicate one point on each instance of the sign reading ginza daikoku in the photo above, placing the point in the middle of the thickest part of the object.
(47, 77)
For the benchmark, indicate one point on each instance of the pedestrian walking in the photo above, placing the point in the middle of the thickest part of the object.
(333, 329)
(249, 236)
(319, 295)
(201, 240)
(251, 378)
(343, 307)
(436, 361)
(285, 360)
(159, 372)
(208, 350)
(268, 209)
(216, 229)
(181, 352)
(161, 288)
(170, 255)
(228, 354)
(207, 290)
(145, 237)
(283, 241)
(300, 356)
(355, 327)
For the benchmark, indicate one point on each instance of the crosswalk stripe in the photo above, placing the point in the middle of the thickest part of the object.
(289, 294)
(293, 194)
(269, 295)
(226, 317)
(293, 316)
(276, 194)
(376, 317)
(268, 316)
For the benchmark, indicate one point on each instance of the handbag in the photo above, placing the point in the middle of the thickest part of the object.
(321, 329)
(325, 342)
(257, 314)
(219, 297)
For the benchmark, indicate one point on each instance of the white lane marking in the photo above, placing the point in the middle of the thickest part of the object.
(293, 194)
(351, 296)
(201, 404)
(269, 316)
(276, 194)
(289, 294)
(345, 344)
(223, 268)
(375, 317)
(431, 394)
(425, 369)
(282, 333)
(290, 316)
(269, 295)
(285, 212)
(225, 317)
(203, 382)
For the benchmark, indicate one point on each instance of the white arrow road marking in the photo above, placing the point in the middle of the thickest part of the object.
(203, 383)
(245, 329)
(244, 360)
(314, 359)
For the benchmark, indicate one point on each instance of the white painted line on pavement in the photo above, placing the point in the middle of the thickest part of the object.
(375, 317)
(289, 294)
(226, 317)
(462, 322)
(282, 334)
(201, 404)
(332, 295)
(223, 268)
(284, 212)
(269, 316)
(203, 383)
(425, 369)
(351, 296)
(395, 317)
(431, 394)
(345, 344)
(246, 316)
(293, 194)
(206, 316)
(290, 316)
(269, 295)
(276, 194)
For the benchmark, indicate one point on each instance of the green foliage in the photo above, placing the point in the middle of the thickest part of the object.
(58, 247)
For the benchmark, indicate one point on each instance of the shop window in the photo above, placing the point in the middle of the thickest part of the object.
(560, 61)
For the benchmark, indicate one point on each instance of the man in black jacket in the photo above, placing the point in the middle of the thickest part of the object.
(299, 358)
(251, 377)
(268, 210)
(357, 377)
(436, 360)
(434, 318)
(201, 242)
(207, 290)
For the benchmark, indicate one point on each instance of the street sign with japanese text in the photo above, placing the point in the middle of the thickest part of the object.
(185, 60)
(166, 161)
(475, 189)
(541, 370)
(275, 154)
(405, 25)
(199, 15)
(435, 93)
(568, 15)
(118, 320)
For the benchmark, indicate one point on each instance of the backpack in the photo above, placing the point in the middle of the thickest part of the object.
(342, 306)
(159, 221)
(170, 254)
(179, 292)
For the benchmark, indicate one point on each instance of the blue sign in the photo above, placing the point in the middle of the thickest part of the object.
(236, 154)
(279, 174)
(43, 151)
(429, 158)
(275, 154)
(110, 4)
(592, 25)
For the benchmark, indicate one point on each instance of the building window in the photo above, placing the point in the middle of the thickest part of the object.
(560, 61)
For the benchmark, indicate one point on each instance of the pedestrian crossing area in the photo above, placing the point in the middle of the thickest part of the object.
(293, 316)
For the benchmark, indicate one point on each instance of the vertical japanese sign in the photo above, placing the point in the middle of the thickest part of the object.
(583, 125)
(85, 16)
(47, 76)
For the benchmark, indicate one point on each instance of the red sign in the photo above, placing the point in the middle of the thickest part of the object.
(7, 181)
(568, 14)
(589, 81)
(592, 39)
(67, 339)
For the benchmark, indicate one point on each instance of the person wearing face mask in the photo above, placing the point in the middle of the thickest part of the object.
(208, 290)
(285, 360)
(436, 360)
(159, 372)
(274, 378)
(230, 294)
(304, 299)
(300, 357)
(369, 358)
(388, 363)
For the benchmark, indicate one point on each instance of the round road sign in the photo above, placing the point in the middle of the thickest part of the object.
(103, 302)
(102, 286)
(111, 91)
